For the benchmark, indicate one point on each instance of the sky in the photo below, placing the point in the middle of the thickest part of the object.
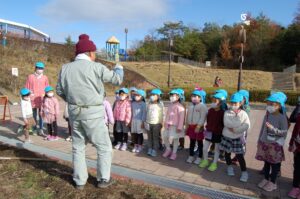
(103, 18)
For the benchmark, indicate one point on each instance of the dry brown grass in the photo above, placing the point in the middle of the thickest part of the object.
(186, 76)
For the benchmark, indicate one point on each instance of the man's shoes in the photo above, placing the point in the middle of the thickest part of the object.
(104, 183)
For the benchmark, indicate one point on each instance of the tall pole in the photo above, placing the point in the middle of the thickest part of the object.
(170, 57)
(126, 31)
(242, 35)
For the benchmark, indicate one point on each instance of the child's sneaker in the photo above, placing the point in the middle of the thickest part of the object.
(197, 161)
(139, 149)
(270, 186)
(244, 176)
(153, 153)
(294, 192)
(47, 137)
(190, 159)
(167, 153)
(262, 183)
(69, 139)
(118, 145)
(41, 133)
(230, 171)
(28, 141)
(149, 152)
(123, 147)
(54, 138)
(212, 167)
(173, 156)
(20, 130)
(203, 163)
(134, 149)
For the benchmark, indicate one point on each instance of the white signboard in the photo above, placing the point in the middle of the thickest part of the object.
(15, 72)
(208, 63)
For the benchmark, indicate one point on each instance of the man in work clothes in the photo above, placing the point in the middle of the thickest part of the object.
(80, 83)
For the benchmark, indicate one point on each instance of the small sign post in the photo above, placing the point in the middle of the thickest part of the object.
(4, 102)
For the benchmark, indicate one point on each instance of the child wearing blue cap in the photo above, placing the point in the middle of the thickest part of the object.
(196, 117)
(174, 123)
(26, 113)
(271, 140)
(122, 115)
(213, 130)
(138, 107)
(154, 121)
(236, 123)
(36, 83)
(50, 112)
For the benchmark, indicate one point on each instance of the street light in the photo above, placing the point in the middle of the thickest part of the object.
(242, 36)
(126, 31)
(170, 46)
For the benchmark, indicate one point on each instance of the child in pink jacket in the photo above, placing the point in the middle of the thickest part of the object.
(174, 123)
(49, 112)
(122, 115)
(36, 83)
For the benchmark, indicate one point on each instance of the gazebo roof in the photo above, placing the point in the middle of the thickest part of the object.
(113, 40)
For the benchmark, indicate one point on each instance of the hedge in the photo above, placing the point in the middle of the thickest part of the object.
(255, 95)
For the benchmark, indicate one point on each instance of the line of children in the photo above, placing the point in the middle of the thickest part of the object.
(196, 117)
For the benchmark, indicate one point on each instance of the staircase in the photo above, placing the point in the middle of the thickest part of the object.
(283, 81)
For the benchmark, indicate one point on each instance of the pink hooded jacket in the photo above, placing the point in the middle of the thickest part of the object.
(122, 111)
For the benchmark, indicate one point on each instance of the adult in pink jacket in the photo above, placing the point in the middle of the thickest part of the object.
(36, 83)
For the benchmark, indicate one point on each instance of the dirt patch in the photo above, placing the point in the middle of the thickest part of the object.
(33, 179)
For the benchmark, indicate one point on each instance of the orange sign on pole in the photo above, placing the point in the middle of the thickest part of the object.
(4, 102)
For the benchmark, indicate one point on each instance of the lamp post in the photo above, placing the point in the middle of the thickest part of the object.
(126, 31)
(170, 57)
(242, 36)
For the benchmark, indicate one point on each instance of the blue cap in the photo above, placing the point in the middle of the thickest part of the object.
(39, 65)
(133, 89)
(278, 97)
(219, 96)
(236, 97)
(245, 94)
(156, 91)
(283, 95)
(24, 91)
(179, 92)
(141, 93)
(124, 90)
(222, 91)
(200, 93)
(48, 88)
(175, 91)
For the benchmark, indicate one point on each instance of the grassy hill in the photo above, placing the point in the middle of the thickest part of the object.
(187, 76)
(23, 54)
